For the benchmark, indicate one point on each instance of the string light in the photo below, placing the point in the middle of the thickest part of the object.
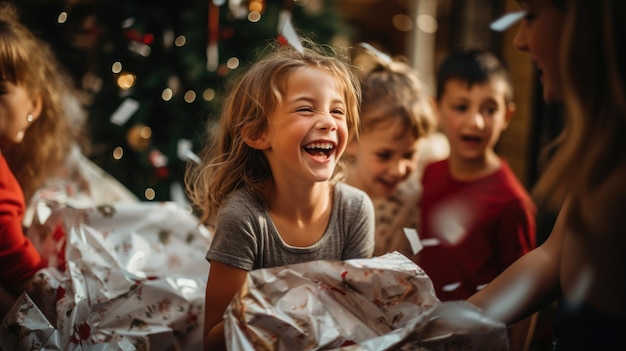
(118, 153)
(126, 81)
(150, 194)
(146, 132)
(208, 94)
(254, 16)
(167, 94)
(180, 40)
(232, 63)
(62, 17)
(255, 6)
(116, 67)
(190, 96)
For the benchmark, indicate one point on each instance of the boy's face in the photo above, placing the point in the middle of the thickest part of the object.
(473, 118)
(382, 158)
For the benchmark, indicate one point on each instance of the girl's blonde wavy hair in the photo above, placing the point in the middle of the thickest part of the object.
(392, 90)
(227, 162)
(29, 62)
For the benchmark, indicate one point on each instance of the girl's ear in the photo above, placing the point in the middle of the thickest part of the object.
(37, 106)
(258, 140)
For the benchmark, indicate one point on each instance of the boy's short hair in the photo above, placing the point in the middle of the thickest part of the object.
(473, 66)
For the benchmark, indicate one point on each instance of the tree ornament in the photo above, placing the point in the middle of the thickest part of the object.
(139, 137)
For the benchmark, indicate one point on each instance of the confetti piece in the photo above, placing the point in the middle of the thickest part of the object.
(506, 21)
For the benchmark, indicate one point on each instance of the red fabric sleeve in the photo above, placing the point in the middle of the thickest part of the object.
(19, 259)
(516, 233)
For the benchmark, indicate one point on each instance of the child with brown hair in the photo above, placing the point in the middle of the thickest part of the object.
(268, 182)
(475, 213)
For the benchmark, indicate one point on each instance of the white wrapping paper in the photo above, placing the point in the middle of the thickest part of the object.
(383, 303)
(122, 277)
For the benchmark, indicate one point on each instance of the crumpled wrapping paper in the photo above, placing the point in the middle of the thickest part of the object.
(383, 303)
(128, 276)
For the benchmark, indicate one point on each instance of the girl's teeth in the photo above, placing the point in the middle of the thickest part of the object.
(326, 146)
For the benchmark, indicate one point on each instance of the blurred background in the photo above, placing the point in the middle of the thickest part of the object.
(153, 72)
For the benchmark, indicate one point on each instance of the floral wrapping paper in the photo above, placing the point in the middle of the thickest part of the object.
(383, 303)
(132, 276)
(129, 276)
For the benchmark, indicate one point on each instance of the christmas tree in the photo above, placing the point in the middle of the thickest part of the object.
(156, 72)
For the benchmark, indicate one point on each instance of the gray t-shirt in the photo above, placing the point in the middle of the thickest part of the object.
(246, 238)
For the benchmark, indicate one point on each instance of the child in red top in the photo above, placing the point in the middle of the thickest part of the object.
(35, 136)
(475, 215)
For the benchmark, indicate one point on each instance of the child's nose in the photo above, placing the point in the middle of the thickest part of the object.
(478, 121)
(401, 168)
(326, 121)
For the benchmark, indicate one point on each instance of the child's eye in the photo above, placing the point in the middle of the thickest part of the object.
(490, 111)
(409, 155)
(384, 155)
(304, 109)
(338, 112)
(460, 108)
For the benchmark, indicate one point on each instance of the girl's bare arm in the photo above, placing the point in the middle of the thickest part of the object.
(223, 283)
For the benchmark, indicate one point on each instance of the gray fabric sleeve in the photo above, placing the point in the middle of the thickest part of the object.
(236, 245)
(357, 216)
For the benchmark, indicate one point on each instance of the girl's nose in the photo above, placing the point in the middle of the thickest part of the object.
(519, 40)
(326, 121)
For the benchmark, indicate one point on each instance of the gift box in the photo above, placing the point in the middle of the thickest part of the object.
(122, 277)
(383, 303)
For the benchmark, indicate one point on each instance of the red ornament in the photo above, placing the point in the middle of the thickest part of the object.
(148, 39)
(282, 40)
(162, 172)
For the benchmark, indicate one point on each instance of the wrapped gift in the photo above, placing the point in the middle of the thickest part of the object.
(129, 271)
(383, 303)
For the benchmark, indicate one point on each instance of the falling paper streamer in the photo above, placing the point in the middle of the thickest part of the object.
(126, 109)
(289, 32)
(506, 21)
(193, 157)
(414, 240)
(382, 56)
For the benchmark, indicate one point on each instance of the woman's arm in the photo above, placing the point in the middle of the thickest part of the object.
(223, 283)
(528, 284)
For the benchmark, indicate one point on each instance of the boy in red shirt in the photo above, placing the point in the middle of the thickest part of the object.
(476, 215)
